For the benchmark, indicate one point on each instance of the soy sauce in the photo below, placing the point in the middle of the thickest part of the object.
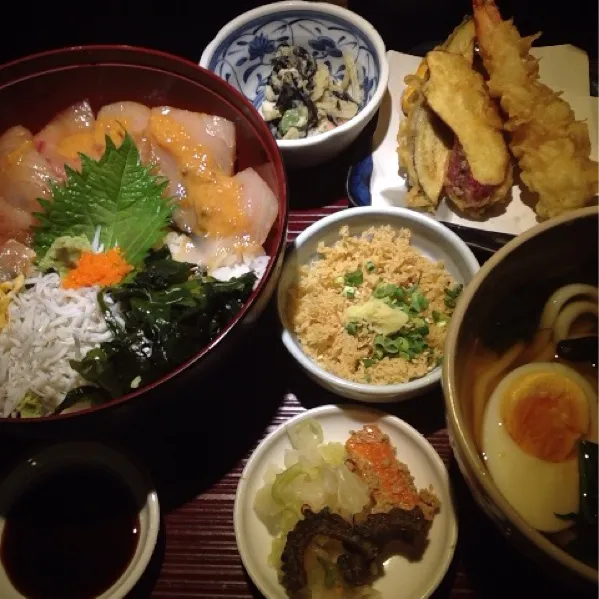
(71, 535)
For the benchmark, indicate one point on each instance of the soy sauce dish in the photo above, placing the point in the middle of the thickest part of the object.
(77, 521)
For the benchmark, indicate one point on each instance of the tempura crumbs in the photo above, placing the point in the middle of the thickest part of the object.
(317, 304)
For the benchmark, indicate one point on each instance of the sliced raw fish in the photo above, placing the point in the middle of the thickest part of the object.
(259, 203)
(15, 258)
(14, 223)
(13, 138)
(67, 134)
(132, 116)
(166, 165)
(210, 252)
(24, 174)
(214, 135)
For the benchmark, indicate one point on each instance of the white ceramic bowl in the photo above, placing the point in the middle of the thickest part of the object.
(429, 237)
(417, 579)
(57, 457)
(241, 53)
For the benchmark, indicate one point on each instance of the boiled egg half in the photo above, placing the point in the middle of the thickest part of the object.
(531, 427)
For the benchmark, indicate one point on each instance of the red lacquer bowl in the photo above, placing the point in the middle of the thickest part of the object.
(35, 88)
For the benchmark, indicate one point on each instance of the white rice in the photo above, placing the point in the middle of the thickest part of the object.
(257, 265)
(48, 326)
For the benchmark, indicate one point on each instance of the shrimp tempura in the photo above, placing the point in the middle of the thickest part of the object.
(552, 148)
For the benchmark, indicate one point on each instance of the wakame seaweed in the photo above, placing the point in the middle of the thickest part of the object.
(167, 312)
(584, 546)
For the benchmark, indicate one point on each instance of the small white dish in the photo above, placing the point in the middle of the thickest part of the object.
(417, 580)
(429, 237)
(64, 455)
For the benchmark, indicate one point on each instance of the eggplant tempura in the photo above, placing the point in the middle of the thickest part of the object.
(451, 137)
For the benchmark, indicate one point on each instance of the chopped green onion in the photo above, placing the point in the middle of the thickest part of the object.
(439, 317)
(451, 295)
(354, 279)
(418, 303)
(369, 266)
(352, 328)
(384, 290)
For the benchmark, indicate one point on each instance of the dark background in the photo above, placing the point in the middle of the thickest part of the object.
(184, 28)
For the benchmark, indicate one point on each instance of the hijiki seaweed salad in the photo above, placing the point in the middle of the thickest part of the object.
(302, 98)
(127, 243)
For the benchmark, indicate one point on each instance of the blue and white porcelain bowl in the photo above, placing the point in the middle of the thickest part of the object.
(242, 51)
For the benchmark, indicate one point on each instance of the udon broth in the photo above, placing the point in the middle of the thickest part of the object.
(528, 407)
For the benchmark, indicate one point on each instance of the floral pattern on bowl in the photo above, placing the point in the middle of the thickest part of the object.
(244, 58)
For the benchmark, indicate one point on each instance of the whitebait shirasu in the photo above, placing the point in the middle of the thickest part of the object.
(48, 327)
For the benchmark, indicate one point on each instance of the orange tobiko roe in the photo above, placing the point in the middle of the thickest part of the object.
(103, 269)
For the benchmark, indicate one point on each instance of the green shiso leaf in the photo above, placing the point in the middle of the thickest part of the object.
(116, 194)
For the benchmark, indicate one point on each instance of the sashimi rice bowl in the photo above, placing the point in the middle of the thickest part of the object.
(128, 242)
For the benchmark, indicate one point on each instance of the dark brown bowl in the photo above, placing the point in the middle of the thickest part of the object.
(517, 280)
(36, 88)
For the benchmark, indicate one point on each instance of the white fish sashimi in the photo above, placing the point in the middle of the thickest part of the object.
(132, 115)
(24, 174)
(259, 203)
(14, 223)
(211, 252)
(13, 138)
(166, 165)
(78, 118)
(260, 207)
(15, 258)
(214, 133)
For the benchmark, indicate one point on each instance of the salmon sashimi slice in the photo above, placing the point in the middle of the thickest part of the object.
(372, 458)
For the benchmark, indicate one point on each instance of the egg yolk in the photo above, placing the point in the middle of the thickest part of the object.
(546, 414)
